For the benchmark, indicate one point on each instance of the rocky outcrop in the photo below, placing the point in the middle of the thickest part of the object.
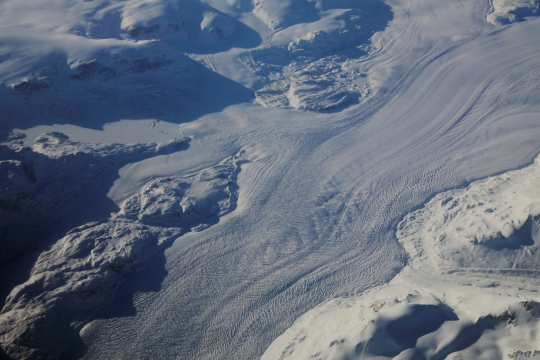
(40, 186)
(82, 270)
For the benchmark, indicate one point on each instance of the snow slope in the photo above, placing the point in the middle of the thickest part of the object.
(430, 96)
(492, 224)
(322, 198)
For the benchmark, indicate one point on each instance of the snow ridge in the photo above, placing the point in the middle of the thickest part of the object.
(492, 224)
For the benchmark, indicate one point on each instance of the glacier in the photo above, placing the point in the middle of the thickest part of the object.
(278, 178)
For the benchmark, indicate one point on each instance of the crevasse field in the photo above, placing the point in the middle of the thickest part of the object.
(285, 179)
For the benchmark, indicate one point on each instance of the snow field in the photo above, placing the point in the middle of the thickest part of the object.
(96, 43)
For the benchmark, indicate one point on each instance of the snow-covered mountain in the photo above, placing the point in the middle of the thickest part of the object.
(85, 52)
(280, 178)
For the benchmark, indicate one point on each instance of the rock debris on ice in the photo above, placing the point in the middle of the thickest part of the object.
(319, 70)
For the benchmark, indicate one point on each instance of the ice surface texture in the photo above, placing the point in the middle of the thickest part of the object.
(444, 97)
